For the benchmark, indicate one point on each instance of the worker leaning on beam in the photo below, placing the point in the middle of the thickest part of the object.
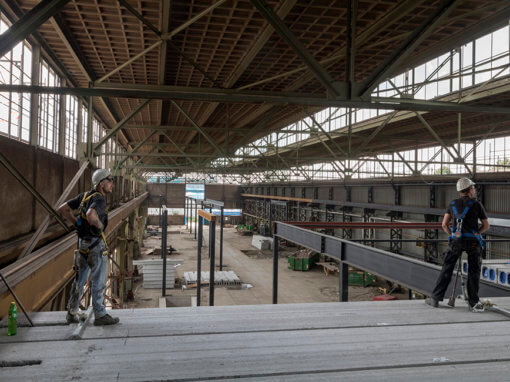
(460, 222)
(93, 252)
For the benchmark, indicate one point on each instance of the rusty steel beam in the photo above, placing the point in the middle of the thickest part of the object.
(44, 225)
(36, 278)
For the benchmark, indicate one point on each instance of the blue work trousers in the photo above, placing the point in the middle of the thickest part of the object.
(96, 264)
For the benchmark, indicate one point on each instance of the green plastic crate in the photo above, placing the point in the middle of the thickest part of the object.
(302, 265)
(360, 278)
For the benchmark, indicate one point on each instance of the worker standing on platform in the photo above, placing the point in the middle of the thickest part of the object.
(92, 256)
(460, 222)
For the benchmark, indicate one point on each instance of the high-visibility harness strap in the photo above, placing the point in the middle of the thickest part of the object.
(84, 216)
(457, 228)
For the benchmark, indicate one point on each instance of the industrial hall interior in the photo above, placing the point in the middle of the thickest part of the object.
(277, 190)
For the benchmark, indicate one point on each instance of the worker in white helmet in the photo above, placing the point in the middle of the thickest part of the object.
(461, 223)
(91, 258)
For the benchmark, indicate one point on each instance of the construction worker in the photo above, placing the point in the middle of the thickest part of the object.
(92, 255)
(460, 222)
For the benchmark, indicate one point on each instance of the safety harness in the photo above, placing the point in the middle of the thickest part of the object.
(83, 217)
(457, 227)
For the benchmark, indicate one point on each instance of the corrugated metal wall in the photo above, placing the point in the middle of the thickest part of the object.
(417, 196)
(384, 195)
(227, 193)
(497, 198)
(359, 194)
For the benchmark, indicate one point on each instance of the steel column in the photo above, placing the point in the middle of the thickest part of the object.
(164, 223)
(199, 258)
(276, 244)
(221, 237)
(212, 265)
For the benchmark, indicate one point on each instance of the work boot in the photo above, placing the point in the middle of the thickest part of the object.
(72, 318)
(432, 302)
(106, 320)
(477, 308)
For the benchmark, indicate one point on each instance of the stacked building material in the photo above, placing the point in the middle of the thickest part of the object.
(153, 272)
(221, 278)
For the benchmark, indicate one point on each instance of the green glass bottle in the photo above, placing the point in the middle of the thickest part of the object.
(12, 324)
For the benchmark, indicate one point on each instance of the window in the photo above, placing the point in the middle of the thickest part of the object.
(16, 69)
(71, 133)
(49, 105)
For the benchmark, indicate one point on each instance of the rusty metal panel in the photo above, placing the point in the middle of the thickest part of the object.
(37, 277)
(173, 192)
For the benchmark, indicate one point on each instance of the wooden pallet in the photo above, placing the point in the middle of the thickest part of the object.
(329, 268)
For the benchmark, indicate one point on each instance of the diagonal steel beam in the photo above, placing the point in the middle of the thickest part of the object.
(374, 133)
(44, 225)
(119, 125)
(397, 12)
(325, 133)
(201, 131)
(29, 23)
(135, 150)
(407, 48)
(243, 63)
(339, 170)
(180, 150)
(146, 22)
(14, 171)
(283, 160)
(390, 176)
(405, 162)
(322, 75)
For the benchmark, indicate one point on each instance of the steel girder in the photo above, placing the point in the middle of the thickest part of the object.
(408, 46)
(29, 23)
(365, 225)
(244, 96)
(414, 274)
(322, 75)
(38, 276)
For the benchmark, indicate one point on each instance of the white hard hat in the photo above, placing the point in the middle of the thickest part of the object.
(464, 183)
(99, 175)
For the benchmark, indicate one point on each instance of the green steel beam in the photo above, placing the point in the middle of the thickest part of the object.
(322, 75)
(398, 56)
(236, 96)
(119, 125)
(29, 23)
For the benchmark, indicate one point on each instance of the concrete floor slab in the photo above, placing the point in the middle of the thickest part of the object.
(322, 341)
